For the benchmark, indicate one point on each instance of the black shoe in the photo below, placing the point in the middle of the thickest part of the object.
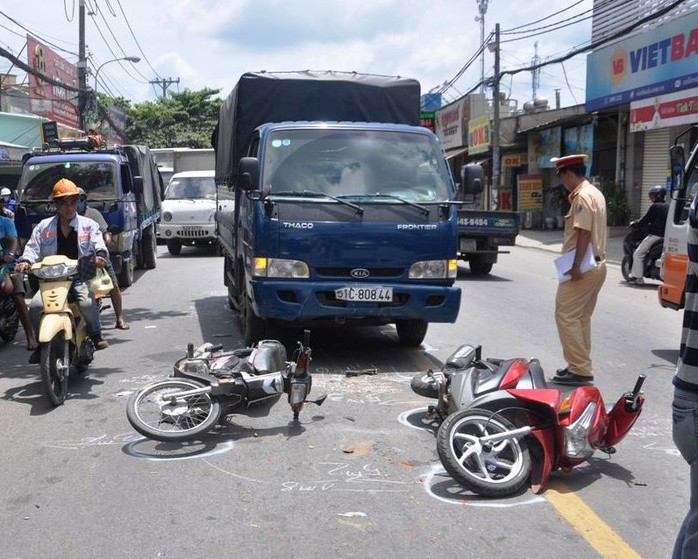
(565, 376)
(35, 356)
(100, 343)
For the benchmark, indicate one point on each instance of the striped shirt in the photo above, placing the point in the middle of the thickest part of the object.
(687, 368)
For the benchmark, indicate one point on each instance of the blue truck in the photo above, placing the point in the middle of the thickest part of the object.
(482, 233)
(122, 182)
(334, 206)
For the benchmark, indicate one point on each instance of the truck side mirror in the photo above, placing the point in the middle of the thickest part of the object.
(249, 173)
(678, 165)
(472, 178)
(137, 185)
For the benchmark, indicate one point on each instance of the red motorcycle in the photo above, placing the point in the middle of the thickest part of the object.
(504, 427)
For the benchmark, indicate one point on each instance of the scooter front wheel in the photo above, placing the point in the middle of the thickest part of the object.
(492, 469)
(155, 414)
(55, 368)
(425, 384)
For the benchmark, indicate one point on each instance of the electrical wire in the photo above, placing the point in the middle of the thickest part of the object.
(65, 9)
(549, 29)
(564, 71)
(508, 31)
(136, 40)
(37, 35)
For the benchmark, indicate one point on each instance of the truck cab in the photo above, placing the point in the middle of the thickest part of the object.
(122, 183)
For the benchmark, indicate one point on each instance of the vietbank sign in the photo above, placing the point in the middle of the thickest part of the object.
(651, 63)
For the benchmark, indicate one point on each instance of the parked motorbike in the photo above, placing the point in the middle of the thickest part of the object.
(9, 313)
(209, 384)
(504, 427)
(63, 340)
(651, 268)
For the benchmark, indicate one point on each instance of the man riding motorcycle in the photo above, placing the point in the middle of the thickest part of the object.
(74, 236)
(12, 283)
(654, 221)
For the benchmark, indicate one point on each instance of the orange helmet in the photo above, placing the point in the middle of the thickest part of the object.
(63, 188)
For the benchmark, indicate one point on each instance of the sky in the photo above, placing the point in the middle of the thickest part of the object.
(210, 43)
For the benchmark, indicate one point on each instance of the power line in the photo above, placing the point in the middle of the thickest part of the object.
(136, 40)
(509, 31)
(37, 35)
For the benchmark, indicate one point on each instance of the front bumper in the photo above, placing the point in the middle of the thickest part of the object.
(205, 232)
(307, 300)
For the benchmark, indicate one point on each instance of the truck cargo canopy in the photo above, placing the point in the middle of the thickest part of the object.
(263, 97)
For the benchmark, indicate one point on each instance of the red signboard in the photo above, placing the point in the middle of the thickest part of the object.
(49, 100)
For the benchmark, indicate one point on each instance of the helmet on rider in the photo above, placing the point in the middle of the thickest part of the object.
(82, 193)
(5, 195)
(63, 188)
(657, 192)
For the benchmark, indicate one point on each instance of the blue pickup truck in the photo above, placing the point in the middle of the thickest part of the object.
(334, 206)
(123, 183)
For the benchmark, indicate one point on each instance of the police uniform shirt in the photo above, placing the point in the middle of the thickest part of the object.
(588, 212)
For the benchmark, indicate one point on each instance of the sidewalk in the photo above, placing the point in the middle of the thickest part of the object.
(551, 240)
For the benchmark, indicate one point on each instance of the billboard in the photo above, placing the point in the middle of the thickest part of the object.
(47, 100)
(654, 62)
(675, 109)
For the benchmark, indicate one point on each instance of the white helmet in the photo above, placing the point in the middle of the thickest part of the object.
(5, 195)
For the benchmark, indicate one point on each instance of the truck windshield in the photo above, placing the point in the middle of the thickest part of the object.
(97, 179)
(190, 188)
(380, 166)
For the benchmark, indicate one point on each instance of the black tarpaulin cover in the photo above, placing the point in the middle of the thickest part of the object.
(262, 97)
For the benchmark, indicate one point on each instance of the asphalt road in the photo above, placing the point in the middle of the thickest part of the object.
(360, 476)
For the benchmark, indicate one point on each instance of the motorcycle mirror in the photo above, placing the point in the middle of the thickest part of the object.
(319, 401)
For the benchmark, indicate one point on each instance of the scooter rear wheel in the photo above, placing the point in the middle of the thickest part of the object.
(55, 368)
(425, 385)
(490, 469)
(151, 412)
(625, 267)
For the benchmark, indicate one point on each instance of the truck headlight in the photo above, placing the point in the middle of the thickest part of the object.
(167, 216)
(431, 269)
(280, 268)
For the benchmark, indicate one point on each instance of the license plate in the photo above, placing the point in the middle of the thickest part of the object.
(468, 245)
(367, 294)
(191, 228)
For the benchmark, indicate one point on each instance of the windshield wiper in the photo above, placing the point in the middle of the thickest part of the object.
(316, 194)
(421, 208)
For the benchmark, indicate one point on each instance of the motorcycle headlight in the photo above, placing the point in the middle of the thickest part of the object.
(55, 271)
(577, 434)
(167, 216)
(280, 268)
(434, 269)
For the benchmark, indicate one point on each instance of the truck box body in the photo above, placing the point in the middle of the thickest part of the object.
(349, 216)
(108, 177)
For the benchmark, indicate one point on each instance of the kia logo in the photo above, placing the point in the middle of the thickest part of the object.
(359, 273)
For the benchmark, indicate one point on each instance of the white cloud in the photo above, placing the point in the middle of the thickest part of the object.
(209, 43)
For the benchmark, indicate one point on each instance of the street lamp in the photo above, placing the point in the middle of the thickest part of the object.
(133, 59)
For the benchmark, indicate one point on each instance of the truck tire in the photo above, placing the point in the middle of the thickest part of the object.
(253, 327)
(479, 267)
(174, 246)
(150, 250)
(127, 271)
(411, 332)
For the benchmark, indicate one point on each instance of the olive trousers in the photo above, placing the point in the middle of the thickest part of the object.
(574, 304)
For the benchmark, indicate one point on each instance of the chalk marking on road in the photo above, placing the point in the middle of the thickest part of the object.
(587, 523)
(233, 474)
(86, 442)
(437, 474)
(132, 450)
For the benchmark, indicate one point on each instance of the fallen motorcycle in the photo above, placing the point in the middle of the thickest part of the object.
(504, 427)
(209, 384)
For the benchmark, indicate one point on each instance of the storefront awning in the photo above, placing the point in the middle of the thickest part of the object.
(455, 152)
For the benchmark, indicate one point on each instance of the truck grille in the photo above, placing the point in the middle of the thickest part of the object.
(345, 273)
(186, 233)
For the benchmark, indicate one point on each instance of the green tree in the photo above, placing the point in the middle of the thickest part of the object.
(184, 119)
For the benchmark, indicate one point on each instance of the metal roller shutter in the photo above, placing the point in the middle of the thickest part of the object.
(655, 163)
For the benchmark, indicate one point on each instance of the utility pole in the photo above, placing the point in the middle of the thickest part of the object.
(482, 8)
(495, 121)
(82, 68)
(164, 83)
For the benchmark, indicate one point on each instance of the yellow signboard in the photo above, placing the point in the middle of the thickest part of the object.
(478, 135)
(530, 192)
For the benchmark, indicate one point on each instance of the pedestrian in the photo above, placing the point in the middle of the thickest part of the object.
(585, 224)
(71, 235)
(685, 404)
(114, 294)
(654, 223)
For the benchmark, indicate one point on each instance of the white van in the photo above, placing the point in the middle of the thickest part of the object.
(189, 211)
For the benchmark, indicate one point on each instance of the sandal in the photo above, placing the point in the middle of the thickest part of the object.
(123, 325)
